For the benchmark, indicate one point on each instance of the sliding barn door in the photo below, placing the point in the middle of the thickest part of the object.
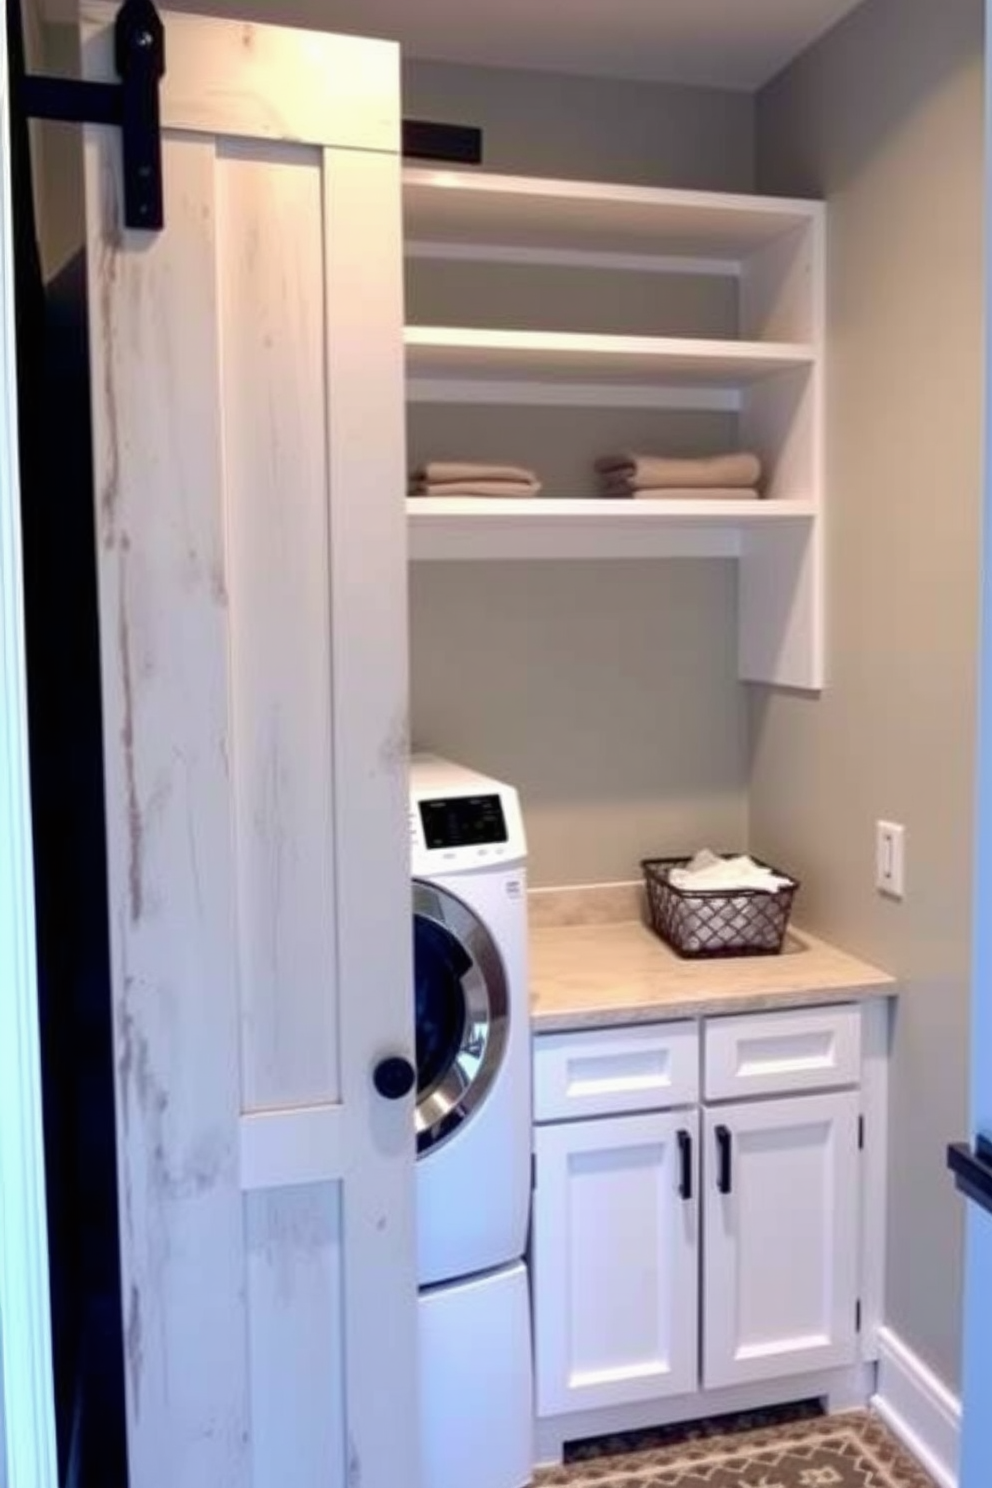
(247, 391)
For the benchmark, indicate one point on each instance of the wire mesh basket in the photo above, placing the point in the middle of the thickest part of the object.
(716, 922)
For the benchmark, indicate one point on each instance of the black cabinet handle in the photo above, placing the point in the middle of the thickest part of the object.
(725, 1176)
(685, 1164)
(394, 1077)
(973, 1170)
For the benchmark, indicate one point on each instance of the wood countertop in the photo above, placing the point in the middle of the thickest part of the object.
(592, 975)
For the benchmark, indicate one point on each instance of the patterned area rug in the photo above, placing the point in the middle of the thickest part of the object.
(846, 1451)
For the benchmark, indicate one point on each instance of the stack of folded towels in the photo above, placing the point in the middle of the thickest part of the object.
(460, 478)
(719, 476)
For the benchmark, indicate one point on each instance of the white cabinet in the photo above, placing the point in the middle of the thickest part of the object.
(780, 1217)
(555, 321)
(681, 1250)
(615, 1259)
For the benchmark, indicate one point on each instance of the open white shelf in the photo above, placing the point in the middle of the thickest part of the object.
(450, 352)
(465, 207)
(748, 269)
(452, 527)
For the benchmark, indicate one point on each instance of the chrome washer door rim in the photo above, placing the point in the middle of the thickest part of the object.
(461, 1088)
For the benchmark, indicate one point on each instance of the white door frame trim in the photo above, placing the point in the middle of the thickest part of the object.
(27, 1412)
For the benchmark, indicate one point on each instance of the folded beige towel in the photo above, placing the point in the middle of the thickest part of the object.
(690, 493)
(645, 472)
(477, 488)
(441, 472)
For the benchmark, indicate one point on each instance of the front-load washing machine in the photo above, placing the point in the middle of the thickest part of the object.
(473, 1117)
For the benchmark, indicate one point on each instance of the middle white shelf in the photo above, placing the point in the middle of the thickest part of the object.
(458, 352)
(452, 527)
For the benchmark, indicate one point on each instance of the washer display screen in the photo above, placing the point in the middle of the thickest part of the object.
(463, 821)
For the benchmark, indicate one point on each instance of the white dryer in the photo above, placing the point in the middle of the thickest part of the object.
(473, 1118)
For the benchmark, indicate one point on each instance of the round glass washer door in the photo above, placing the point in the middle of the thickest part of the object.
(462, 1013)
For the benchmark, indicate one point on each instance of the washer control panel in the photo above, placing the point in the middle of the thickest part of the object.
(461, 820)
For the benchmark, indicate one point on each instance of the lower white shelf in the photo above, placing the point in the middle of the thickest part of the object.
(445, 527)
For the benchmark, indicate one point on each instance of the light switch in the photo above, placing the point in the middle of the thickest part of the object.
(890, 859)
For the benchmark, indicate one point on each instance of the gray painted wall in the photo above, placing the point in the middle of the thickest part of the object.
(884, 119)
(547, 124)
(606, 691)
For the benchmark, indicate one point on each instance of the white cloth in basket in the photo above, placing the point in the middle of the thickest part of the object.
(709, 871)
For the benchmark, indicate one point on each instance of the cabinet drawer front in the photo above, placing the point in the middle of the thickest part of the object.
(777, 1053)
(610, 1071)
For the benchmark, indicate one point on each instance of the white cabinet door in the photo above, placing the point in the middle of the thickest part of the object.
(247, 381)
(615, 1256)
(780, 1214)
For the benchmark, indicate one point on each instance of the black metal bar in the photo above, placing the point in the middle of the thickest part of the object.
(685, 1164)
(725, 1175)
(973, 1170)
(453, 144)
(71, 102)
(139, 52)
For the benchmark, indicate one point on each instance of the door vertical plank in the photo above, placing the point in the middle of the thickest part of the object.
(364, 348)
(270, 270)
(271, 289)
(296, 1325)
(164, 642)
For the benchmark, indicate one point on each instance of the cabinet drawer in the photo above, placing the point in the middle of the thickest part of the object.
(606, 1071)
(776, 1053)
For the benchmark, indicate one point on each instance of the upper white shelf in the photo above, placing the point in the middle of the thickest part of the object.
(451, 351)
(520, 211)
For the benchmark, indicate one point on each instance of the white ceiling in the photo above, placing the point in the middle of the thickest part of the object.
(718, 43)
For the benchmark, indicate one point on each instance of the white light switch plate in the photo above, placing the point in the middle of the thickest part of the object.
(890, 859)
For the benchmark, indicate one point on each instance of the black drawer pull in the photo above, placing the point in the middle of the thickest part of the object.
(973, 1170)
(685, 1164)
(725, 1175)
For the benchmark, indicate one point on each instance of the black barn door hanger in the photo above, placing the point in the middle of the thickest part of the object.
(133, 106)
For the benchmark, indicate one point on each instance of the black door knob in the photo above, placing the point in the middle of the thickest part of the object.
(394, 1077)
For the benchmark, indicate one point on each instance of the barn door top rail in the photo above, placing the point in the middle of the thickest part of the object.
(133, 106)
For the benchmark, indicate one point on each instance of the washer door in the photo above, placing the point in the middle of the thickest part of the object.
(462, 1011)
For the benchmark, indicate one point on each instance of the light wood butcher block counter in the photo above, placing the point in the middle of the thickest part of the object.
(593, 963)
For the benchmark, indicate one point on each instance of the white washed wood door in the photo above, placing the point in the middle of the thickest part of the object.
(249, 454)
(615, 1258)
(781, 1253)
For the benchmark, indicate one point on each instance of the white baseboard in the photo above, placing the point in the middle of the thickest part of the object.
(918, 1408)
